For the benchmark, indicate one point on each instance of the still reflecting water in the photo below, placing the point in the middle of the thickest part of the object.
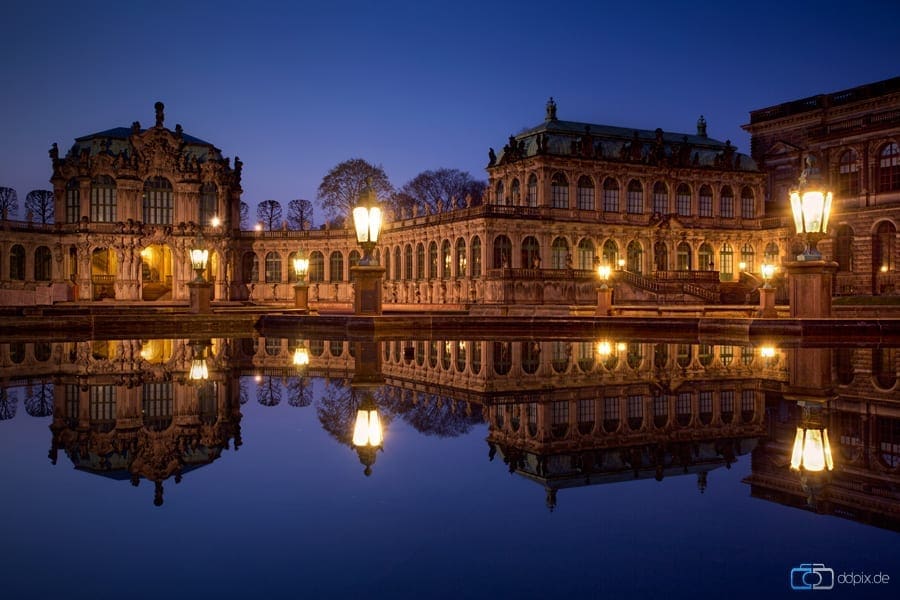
(236, 467)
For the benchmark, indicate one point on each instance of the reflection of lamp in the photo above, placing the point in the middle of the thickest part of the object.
(301, 288)
(767, 351)
(301, 355)
(812, 450)
(215, 222)
(368, 433)
(199, 369)
(367, 220)
(811, 207)
(604, 292)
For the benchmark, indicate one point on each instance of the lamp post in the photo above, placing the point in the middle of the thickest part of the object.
(301, 288)
(604, 291)
(810, 276)
(767, 292)
(199, 372)
(200, 289)
(367, 275)
(368, 432)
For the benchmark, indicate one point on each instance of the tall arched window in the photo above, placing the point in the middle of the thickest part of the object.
(73, 201)
(531, 253)
(610, 254)
(460, 257)
(387, 263)
(889, 168)
(661, 256)
(683, 200)
(748, 256)
(705, 258)
(848, 173)
(660, 198)
(500, 193)
(475, 259)
(843, 248)
(446, 259)
(559, 252)
(158, 201)
(610, 195)
(726, 261)
(250, 267)
(559, 191)
(336, 266)
(683, 257)
(514, 193)
(103, 199)
(316, 267)
(398, 262)
(884, 367)
(353, 260)
(432, 260)
(208, 203)
(420, 261)
(408, 262)
(532, 190)
(635, 257)
(502, 252)
(883, 246)
(635, 198)
(748, 203)
(726, 203)
(273, 267)
(585, 193)
(42, 263)
(585, 255)
(771, 254)
(704, 203)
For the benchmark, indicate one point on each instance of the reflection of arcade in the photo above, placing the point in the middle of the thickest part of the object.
(146, 418)
(862, 413)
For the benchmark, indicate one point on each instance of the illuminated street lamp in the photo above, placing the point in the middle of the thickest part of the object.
(768, 271)
(767, 293)
(367, 220)
(811, 207)
(604, 292)
(199, 258)
(301, 288)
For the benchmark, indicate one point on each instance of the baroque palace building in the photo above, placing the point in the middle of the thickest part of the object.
(681, 217)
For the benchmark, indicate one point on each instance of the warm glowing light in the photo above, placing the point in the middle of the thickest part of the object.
(215, 222)
(368, 431)
(884, 268)
(199, 370)
(621, 263)
(257, 227)
(257, 378)
(301, 266)
(199, 258)
(603, 271)
(768, 270)
(811, 209)
(742, 266)
(767, 351)
(147, 252)
(301, 357)
(812, 450)
(367, 221)
(621, 347)
(604, 349)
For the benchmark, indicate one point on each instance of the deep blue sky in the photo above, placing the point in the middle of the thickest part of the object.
(295, 88)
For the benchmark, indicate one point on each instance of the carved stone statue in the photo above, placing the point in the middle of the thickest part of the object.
(160, 116)
(492, 157)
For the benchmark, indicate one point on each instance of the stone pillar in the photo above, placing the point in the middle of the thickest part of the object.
(767, 302)
(200, 297)
(604, 301)
(810, 288)
(367, 293)
(301, 296)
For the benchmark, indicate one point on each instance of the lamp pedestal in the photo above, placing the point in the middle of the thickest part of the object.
(767, 302)
(201, 294)
(367, 283)
(604, 301)
(810, 288)
(301, 296)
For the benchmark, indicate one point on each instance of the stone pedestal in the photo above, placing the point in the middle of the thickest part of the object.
(367, 289)
(201, 293)
(767, 302)
(809, 285)
(604, 301)
(301, 296)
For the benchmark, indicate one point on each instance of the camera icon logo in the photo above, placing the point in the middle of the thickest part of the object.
(812, 576)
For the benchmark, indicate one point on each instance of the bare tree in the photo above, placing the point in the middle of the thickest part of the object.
(39, 400)
(299, 391)
(9, 203)
(269, 214)
(269, 391)
(245, 215)
(340, 188)
(443, 189)
(39, 203)
(8, 403)
(300, 213)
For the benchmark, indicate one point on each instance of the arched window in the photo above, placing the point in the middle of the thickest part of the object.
(408, 262)
(559, 191)
(531, 253)
(316, 267)
(843, 248)
(103, 199)
(446, 259)
(889, 168)
(660, 198)
(398, 270)
(585, 255)
(747, 257)
(635, 257)
(460, 257)
(73, 201)
(250, 267)
(884, 367)
(291, 273)
(432, 260)
(683, 200)
(848, 173)
(500, 193)
(273, 267)
(531, 357)
(771, 253)
(705, 201)
(610, 254)
(726, 203)
(532, 190)
(336, 266)
(585, 193)
(887, 435)
(883, 247)
(208, 203)
(502, 252)
(353, 261)
(683, 257)
(514, 193)
(502, 357)
(748, 203)
(559, 254)
(387, 264)
(420, 261)
(475, 259)
(610, 195)
(635, 199)
(661, 256)
(158, 201)
(705, 258)
(726, 261)
(42, 263)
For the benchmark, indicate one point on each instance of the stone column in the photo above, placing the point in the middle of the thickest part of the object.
(367, 293)
(200, 297)
(767, 302)
(809, 285)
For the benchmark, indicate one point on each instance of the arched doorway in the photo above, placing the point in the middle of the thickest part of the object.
(156, 273)
(103, 273)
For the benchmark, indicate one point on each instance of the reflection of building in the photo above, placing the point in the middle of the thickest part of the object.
(855, 136)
